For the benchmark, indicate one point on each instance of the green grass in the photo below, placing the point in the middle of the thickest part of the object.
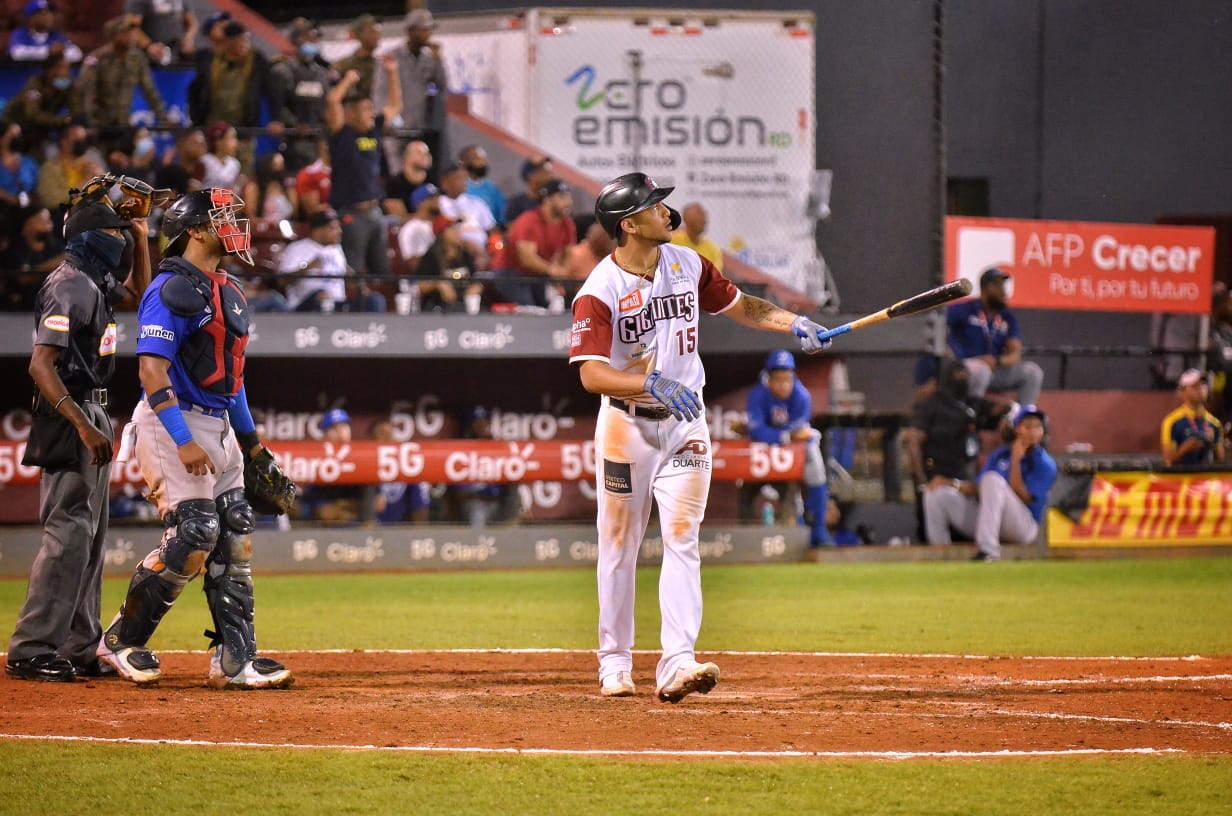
(185, 780)
(1129, 607)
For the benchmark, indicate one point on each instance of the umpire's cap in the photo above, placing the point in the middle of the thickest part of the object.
(780, 360)
(628, 195)
(92, 215)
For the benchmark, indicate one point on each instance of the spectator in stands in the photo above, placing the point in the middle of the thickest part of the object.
(74, 163)
(19, 174)
(692, 234)
(404, 501)
(132, 155)
(320, 269)
(482, 503)
(421, 83)
(301, 80)
(312, 183)
(341, 504)
(943, 442)
(535, 173)
(585, 254)
(365, 30)
(1219, 357)
(232, 85)
(41, 106)
(213, 31)
(449, 258)
(475, 159)
(1012, 492)
(34, 252)
(354, 153)
(222, 168)
(416, 168)
(984, 335)
(536, 245)
(184, 173)
(780, 411)
(266, 194)
(1191, 435)
(37, 40)
(417, 234)
(168, 29)
(475, 219)
(110, 77)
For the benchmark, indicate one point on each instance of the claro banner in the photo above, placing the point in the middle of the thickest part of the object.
(466, 461)
(1087, 266)
(1139, 509)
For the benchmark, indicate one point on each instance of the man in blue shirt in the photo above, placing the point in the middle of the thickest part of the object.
(1191, 435)
(1013, 490)
(984, 335)
(780, 411)
(193, 330)
(475, 159)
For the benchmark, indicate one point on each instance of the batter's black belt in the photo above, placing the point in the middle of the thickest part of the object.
(95, 395)
(633, 409)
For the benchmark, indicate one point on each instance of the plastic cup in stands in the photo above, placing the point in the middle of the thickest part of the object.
(472, 303)
(402, 303)
(327, 306)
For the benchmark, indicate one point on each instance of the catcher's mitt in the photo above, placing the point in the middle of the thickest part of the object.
(268, 489)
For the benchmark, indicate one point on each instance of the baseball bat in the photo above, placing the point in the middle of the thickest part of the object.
(915, 304)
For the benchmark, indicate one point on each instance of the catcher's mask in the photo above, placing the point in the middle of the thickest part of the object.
(215, 207)
(628, 195)
(128, 196)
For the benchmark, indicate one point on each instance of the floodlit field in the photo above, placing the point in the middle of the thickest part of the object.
(1007, 688)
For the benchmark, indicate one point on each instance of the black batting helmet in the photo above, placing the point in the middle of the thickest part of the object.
(214, 207)
(628, 195)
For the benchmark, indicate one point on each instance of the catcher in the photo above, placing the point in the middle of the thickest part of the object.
(198, 449)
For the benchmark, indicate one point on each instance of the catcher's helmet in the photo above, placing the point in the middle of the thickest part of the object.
(780, 360)
(628, 195)
(214, 207)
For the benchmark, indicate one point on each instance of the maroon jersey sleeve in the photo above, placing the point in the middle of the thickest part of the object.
(715, 292)
(592, 330)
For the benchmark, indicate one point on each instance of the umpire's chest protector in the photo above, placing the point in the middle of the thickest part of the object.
(213, 352)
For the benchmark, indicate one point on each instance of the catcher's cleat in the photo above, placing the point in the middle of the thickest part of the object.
(619, 684)
(258, 673)
(135, 665)
(700, 678)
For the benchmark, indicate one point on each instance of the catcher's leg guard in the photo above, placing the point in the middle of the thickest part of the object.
(192, 530)
(228, 589)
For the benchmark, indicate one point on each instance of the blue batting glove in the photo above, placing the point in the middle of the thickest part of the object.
(678, 399)
(807, 331)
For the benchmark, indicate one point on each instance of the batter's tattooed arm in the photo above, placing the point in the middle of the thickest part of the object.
(761, 314)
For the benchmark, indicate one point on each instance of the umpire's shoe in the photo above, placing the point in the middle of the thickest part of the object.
(135, 665)
(700, 678)
(48, 667)
(258, 673)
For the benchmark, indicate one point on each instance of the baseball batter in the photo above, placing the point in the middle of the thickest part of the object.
(635, 342)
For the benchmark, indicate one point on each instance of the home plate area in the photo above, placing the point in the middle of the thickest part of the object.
(767, 705)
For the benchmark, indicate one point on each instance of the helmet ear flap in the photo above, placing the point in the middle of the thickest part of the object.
(674, 215)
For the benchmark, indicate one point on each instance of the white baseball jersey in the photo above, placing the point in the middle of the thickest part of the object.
(638, 325)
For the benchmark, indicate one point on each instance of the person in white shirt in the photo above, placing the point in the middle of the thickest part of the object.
(320, 254)
(472, 211)
(415, 237)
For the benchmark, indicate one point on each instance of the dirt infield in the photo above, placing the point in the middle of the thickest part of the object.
(765, 705)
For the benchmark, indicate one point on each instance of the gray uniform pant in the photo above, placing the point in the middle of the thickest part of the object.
(63, 601)
(998, 516)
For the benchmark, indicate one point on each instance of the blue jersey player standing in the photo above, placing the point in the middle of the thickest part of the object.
(780, 411)
(191, 425)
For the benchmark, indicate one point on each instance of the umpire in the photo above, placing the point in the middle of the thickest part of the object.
(71, 438)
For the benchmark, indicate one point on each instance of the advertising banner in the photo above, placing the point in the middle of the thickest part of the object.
(466, 461)
(1140, 509)
(1087, 266)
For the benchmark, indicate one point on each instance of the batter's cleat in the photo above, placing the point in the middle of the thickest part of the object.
(94, 668)
(700, 678)
(48, 667)
(619, 684)
(258, 673)
(135, 665)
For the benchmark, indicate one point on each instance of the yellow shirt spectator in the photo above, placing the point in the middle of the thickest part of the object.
(692, 235)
